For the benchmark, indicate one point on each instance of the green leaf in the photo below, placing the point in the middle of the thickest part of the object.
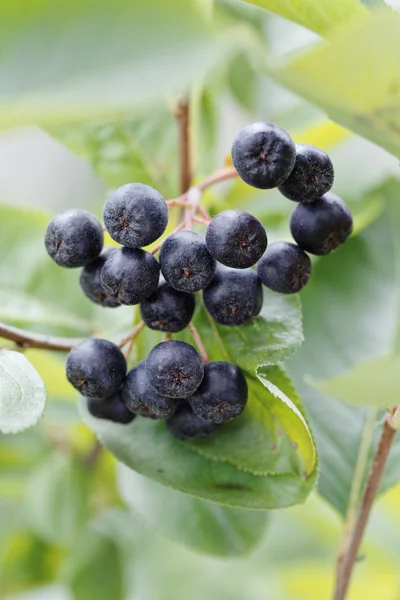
(370, 383)
(350, 311)
(200, 525)
(337, 77)
(57, 498)
(22, 393)
(86, 59)
(322, 17)
(251, 463)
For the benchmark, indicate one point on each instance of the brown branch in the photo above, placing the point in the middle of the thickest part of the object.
(185, 169)
(199, 342)
(349, 557)
(27, 339)
(133, 334)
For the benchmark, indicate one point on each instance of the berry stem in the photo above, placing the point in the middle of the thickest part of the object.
(177, 202)
(217, 177)
(349, 556)
(133, 335)
(193, 197)
(203, 213)
(158, 246)
(201, 221)
(167, 337)
(199, 342)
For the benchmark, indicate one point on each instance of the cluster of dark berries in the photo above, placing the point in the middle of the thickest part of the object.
(173, 383)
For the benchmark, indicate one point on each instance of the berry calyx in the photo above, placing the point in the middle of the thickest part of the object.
(284, 268)
(175, 369)
(135, 215)
(263, 154)
(236, 239)
(142, 398)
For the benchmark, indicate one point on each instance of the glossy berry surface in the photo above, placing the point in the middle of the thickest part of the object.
(135, 215)
(185, 425)
(236, 239)
(312, 175)
(96, 368)
(263, 154)
(112, 409)
(185, 261)
(91, 284)
(74, 238)
(143, 399)
(222, 395)
(284, 268)
(175, 369)
(167, 309)
(321, 226)
(234, 297)
(130, 276)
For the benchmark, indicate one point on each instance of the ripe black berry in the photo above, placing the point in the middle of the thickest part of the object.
(135, 215)
(284, 268)
(112, 409)
(185, 425)
(312, 175)
(174, 369)
(234, 296)
(321, 226)
(263, 154)
(74, 238)
(222, 395)
(91, 284)
(185, 261)
(96, 368)
(167, 309)
(236, 239)
(143, 399)
(129, 276)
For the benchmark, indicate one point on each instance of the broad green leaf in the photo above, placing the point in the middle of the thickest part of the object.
(57, 498)
(247, 464)
(371, 382)
(198, 524)
(22, 393)
(350, 311)
(338, 77)
(88, 59)
(322, 17)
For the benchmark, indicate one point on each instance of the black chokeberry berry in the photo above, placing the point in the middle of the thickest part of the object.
(284, 268)
(321, 226)
(96, 368)
(74, 238)
(222, 395)
(91, 284)
(143, 399)
(236, 239)
(130, 276)
(167, 309)
(185, 261)
(312, 175)
(135, 215)
(185, 425)
(112, 409)
(263, 154)
(175, 369)
(234, 296)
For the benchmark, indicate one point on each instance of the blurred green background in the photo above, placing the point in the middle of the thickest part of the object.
(87, 94)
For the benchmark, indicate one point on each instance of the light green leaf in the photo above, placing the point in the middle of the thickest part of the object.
(22, 393)
(203, 526)
(369, 383)
(88, 59)
(57, 498)
(338, 77)
(323, 16)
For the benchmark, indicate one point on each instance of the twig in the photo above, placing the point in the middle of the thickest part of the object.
(133, 334)
(374, 479)
(176, 202)
(27, 339)
(201, 221)
(199, 342)
(194, 197)
(183, 118)
(156, 248)
(217, 177)
(167, 337)
(203, 212)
